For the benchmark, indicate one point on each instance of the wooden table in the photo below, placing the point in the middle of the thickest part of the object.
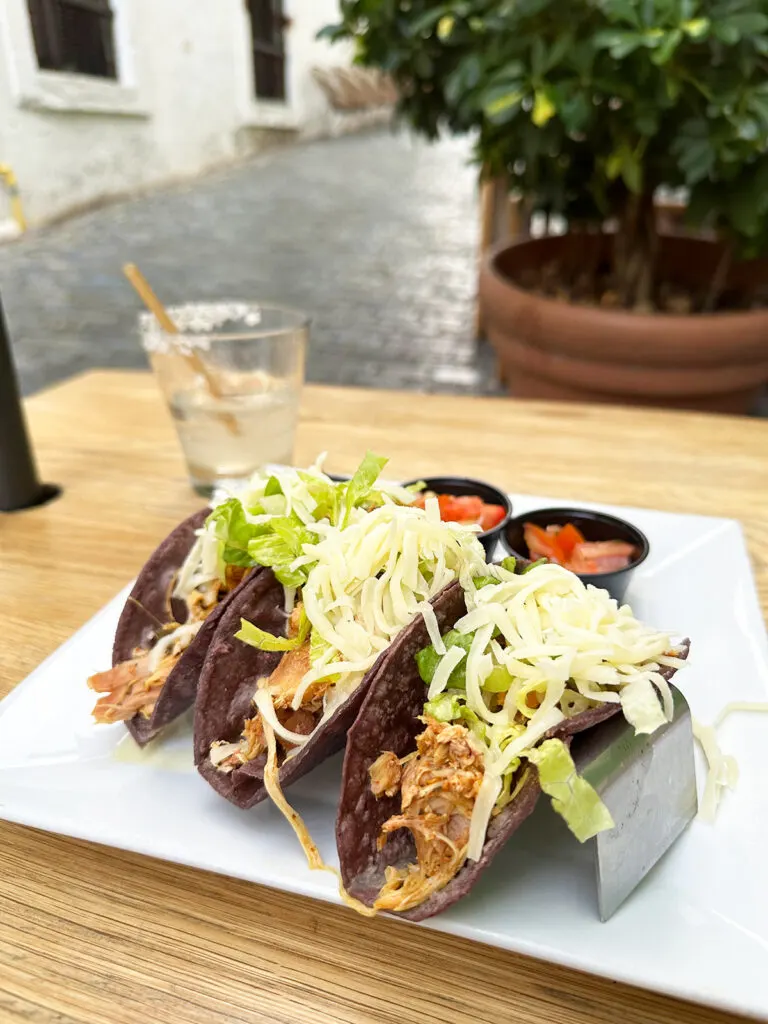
(89, 934)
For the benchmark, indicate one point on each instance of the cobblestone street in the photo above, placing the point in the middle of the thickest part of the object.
(374, 235)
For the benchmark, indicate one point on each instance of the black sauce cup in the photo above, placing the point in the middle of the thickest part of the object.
(463, 486)
(595, 526)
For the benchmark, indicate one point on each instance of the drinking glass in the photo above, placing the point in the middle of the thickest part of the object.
(232, 378)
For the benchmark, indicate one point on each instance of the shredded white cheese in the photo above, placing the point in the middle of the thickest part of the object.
(430, 619)
(173, 643)
(722, 769)
(368, 581)
(263, 702)
(565, 644)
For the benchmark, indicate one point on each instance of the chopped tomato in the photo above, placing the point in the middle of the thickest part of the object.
(491, 516)
(567, 546)
(568, 538)
(542, 544)
(606, 549)
(460, 509)
(464, 508)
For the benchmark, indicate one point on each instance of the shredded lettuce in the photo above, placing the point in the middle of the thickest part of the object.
(326, 494)
(259, 638)
(498, 680)
(444, 708)
(484, 581)
(270, 522)
(358, 488)
(231, 526)
(573, 798)
(428, 659)
(318, 648)
(480, 729)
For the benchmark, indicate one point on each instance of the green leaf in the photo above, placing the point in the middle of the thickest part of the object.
(575, 111)
(696, 28)
(263, 641)
(622, 10)
(758, 105)
(624, 163)
(273, 487)
(673, 87)
(463, 79)
(746, 24)
(628, 44)
(695, 157)
(572, 797)
(737, 26)
(424, 24)
(445, 27)
(614, 164)
(538, 56)
(667, 47)
(503, 103)
(543, 108)
(558, 51)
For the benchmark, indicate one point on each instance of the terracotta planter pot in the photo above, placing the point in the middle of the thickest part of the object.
(556, 350)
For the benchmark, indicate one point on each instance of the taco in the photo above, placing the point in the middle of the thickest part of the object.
(173, 610)
(456, 741)
(161, 639)
(287, 670)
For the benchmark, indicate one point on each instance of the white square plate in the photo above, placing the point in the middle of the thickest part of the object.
(696, 928)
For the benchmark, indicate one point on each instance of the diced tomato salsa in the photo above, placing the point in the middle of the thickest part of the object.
(468, 509)
(567, 546)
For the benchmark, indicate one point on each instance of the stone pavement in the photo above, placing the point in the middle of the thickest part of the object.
(374, 235)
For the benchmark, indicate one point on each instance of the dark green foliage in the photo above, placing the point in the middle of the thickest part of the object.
(591, 105)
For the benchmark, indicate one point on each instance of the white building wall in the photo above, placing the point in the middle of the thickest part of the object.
(185, 99)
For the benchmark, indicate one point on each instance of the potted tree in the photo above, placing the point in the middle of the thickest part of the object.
(591, 107)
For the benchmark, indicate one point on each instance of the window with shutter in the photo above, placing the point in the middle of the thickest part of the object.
(268, 24)
(74, 35)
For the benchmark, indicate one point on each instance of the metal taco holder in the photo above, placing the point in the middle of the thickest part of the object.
(648, 783)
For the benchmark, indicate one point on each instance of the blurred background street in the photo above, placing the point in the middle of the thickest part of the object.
(374, 234)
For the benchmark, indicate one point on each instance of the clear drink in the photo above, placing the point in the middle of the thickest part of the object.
(232, 377)
(226, 439)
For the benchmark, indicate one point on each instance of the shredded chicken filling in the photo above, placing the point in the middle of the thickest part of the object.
(438, 785)
(132, 687)
(282, 685)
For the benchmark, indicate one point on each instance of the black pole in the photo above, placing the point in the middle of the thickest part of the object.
(19, 483)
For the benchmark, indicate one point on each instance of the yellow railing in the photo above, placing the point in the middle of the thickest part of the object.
(8, 178)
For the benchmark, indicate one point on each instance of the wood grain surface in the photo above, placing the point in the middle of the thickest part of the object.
(89, 934)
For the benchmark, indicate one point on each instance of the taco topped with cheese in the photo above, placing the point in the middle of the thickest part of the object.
(290, 665)
(181, 593)
(452, 748)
